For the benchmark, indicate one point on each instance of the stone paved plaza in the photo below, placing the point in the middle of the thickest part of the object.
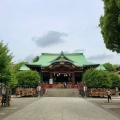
(61, 108)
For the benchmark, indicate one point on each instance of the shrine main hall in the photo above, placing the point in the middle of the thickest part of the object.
(61, 67)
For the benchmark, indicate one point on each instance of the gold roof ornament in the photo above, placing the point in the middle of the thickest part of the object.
(73, 66)
(62, 56)
(50, 66)
(61, 63)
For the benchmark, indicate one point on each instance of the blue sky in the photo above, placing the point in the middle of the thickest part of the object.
(32, 27)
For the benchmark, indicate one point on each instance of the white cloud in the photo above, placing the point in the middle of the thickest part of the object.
(49, 39)
(78, 50)
(29, 58)
(100, 57)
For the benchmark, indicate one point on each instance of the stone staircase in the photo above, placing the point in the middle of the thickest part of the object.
(61, 92)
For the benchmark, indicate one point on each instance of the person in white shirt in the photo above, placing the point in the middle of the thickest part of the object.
(85, 90)
(39, 90)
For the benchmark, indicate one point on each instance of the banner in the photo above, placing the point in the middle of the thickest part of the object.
(50, 81)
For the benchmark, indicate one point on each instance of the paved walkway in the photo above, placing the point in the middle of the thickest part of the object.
(61, 108)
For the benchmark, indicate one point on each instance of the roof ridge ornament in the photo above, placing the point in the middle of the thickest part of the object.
(62, 52)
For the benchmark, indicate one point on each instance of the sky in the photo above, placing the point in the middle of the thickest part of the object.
(32, 27)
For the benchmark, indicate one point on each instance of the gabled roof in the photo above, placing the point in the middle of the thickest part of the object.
(24, 67)
(61, 60)
(46, 59)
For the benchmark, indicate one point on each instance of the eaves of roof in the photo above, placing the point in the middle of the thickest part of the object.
(24, 67)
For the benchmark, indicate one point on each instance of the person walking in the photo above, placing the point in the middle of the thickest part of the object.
(85, 90)
(39, 90)
(109, 95)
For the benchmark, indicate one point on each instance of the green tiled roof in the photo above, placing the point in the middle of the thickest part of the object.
(77, 59)
(62, 60)
(24, 67)
(101, 67)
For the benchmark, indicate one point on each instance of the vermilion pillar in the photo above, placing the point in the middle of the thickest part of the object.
(50, 75)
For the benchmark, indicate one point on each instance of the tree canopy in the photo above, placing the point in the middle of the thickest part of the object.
(96, 78)
(110, 67)
(36, 59)
(17, 66)
(14, 69)
(28, 78)
(101, 79)
(115, 79)
(5, 63)
(110, 24)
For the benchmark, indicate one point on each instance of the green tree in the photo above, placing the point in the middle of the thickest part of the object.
(96, 78)
(13, 82)
(5, 63)
(14, 69)
(110, 25)
(110, 67)
(115, 67)
(115, 78)
(36, 59)
(28, 78)
(17, 66)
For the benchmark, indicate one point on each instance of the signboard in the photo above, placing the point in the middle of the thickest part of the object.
(50, 81)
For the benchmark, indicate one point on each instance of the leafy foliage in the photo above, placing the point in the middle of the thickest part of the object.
(110, 25)
(28, 78)
(115, 78)
(96, 78)
(13, 82)
(36, 59)
(5, 63)
(17, 66)
(110, 67)
(14, 69)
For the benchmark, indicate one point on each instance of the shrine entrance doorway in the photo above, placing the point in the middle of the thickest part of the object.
(61, 78)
